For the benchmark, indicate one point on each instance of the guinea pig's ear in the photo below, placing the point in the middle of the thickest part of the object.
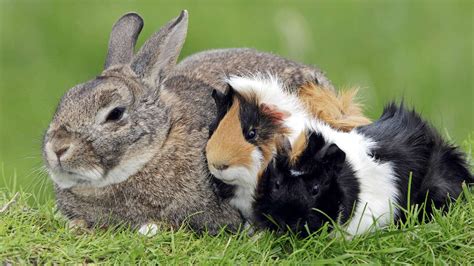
(123, 39)
(312, 153)
(217, 95)
(223, 100)
(282, 158)
(333, 158)
(229, 92)
(274, 113)
(158, 56)
(273, 176)
(284, 144)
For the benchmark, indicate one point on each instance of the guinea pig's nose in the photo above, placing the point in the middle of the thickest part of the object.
(220, 167)
(60, 151)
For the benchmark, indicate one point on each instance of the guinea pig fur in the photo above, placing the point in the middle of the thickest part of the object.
(359, 179)
(243, 138)
(252, 114)
(339, 110)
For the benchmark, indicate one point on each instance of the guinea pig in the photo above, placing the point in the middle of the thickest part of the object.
(361, 178)
(295, 195)
(251, 115)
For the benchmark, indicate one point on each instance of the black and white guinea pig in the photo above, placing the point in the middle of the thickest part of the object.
(361, 178)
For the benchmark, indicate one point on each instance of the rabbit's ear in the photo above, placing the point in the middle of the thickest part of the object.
(122, 39)
(159, 54)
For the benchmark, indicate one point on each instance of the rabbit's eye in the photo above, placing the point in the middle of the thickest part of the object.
(251, 134)
(116, 114)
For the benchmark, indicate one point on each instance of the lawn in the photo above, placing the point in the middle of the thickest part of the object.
(37, 233)
(416, 50)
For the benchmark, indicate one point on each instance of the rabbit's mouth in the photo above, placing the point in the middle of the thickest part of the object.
(95, 175)
(66, 179)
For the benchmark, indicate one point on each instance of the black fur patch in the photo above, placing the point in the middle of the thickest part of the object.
(223, 103)
(252, 117)
(414, 147)
(321, 187)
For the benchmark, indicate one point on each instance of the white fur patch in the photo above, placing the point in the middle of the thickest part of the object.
(296, 173)
(125, 169)
(377, 181)
(245, 180)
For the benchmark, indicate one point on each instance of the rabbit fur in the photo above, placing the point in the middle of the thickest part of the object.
(128, 145)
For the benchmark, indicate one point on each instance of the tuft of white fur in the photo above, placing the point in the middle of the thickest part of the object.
(269, 90)
(245, 180)
(377, 180)
(125, 169)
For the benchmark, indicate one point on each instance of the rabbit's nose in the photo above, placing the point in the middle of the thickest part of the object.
(61, 151)
(220, 167)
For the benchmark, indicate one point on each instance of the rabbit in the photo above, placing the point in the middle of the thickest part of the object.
(127, 147)
(251, 115)
(360, 179)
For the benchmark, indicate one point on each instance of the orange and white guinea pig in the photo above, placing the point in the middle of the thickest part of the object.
(252, 116)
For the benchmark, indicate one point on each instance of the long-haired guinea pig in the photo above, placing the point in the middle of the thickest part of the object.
(360, 179)
(252, 114)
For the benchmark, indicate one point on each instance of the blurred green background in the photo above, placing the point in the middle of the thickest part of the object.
(419, 51)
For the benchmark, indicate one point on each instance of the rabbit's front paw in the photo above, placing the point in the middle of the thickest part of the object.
(148, 229)
(78, 226)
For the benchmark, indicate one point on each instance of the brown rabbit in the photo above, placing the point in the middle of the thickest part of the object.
(128, 146)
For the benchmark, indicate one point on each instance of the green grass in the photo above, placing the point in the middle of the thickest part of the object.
(419, 50)
(34, 232)
(37, 234)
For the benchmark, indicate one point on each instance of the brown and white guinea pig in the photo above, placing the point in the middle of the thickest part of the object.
(251, 115)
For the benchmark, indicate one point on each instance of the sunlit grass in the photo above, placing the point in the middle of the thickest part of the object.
(33, 231)
(38, 234)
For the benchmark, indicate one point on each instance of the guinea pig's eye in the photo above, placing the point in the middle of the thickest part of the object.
(116, 114)
(276, 185)
(314, 190)
(251, 134)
